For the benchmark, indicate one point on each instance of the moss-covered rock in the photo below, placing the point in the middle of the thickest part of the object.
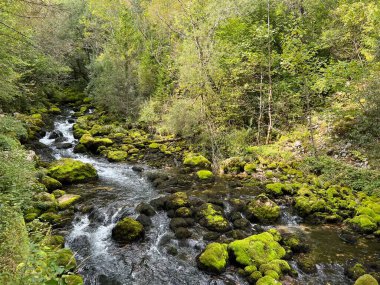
(93, 144)
(73, 279)
(177, 200)
(307, 263)
(366, 279)
(54, 110)
(278, 189)
(256, 250)
(268, 280)
(205, 175)
(250, 168)
(127, 230)
(356, 271)
(45, 201)
(184, 212)
(67, 200)
(65, 258)
(363, 223)
(232, 165)
(51, 218)
(262, 209)
(211, 217)
(58, 193)
(51, 183)
(67, 170)
(196, 161)
(117, 155)
(55, 241)
(214, 258)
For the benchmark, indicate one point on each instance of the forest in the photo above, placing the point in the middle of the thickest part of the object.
(189, 142)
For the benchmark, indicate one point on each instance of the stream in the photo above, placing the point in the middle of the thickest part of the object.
(117, 193)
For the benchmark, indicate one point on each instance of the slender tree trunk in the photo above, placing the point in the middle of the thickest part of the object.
(269, 78)
(259, 120)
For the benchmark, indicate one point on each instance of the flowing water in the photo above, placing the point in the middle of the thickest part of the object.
(116, 194)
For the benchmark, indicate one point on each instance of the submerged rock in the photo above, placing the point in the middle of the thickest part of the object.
(127, 230)
(214, 258)
(67, 170)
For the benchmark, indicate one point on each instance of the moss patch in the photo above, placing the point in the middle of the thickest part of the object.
(127, 230)
(214, 258)
(67, 170)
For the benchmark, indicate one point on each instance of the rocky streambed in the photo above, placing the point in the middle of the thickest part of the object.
(181, 215)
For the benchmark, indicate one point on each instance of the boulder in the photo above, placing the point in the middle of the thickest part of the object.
(214, 258)
(262, 209)
(127, 230)
(67, 170)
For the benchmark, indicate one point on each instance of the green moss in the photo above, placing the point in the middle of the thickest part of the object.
(356, 271)
(269, 174)
(272, 274)
(267, 280)
(212, 218)
(183, 212)
(233, 165)
(214, 258)
(279, 266)
(127, 230)
(366, 279)
(51, 183)
(68, 170)
(275, 188)
(51, 218)
(45, 201)
(65, 258)
(177, 200)
(262, 209)
(54, 110)
(58, 193)
(250, 269)
(256, 249)
(256, 275)
(67, 200)
(73, 279)
(196, 160)
(93, 144)
(250, 168)
(54, 241)
(363, 223)
(205, 174)
(154, 145)
(117, 155)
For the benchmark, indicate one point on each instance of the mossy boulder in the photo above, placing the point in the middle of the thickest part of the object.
(127, 230)
(205, 175)
(307, 202)
(54, 110)
(65, 258)
(366, 279)
(257, 250)
(51, 183)
(73, 279)
(363, 224)
(58, 193)
(117, 155)
(214, 258)
(93, 144)
(67, 170)
(51, 218)
(45, 201)
(278, 189)
(184, 212)
(232, 165)
(211, 217)
(177, 200)
(268, 280)
(278, 266)
(67, 200)
(196, 161)
(55, 241)
(262, 209)
(250, 168)
(356, 271)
